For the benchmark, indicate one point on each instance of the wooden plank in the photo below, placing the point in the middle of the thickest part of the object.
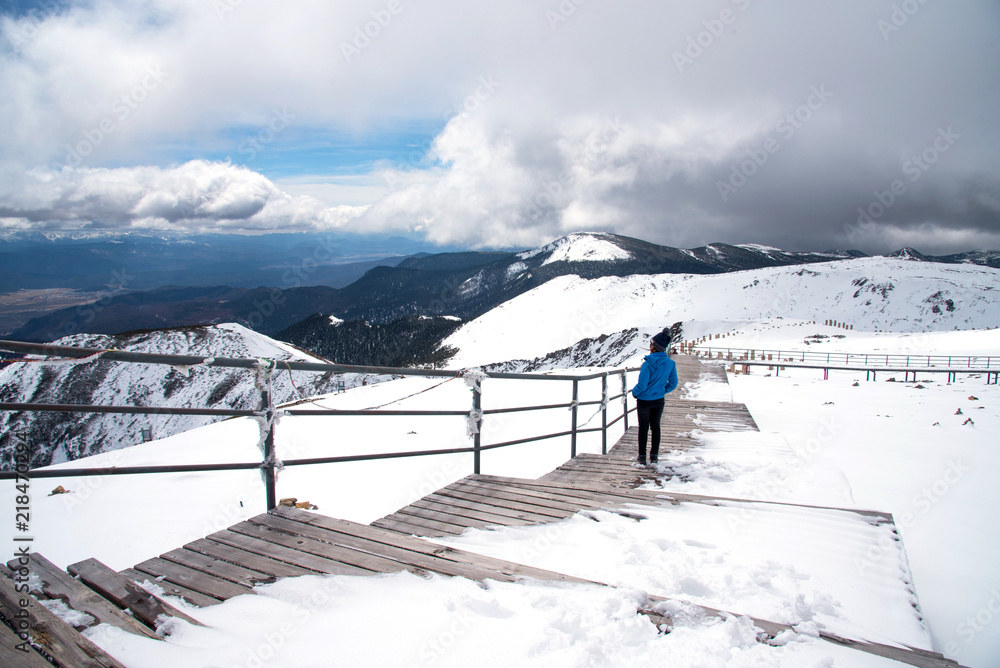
(607, 477)
(26, 657)
(427, 547)
(221, 569)
(470, 514)
(261, 527)
(608, 498)
(192, 579)
(373, 534)
(578, 499)
(390, 523)
(660, 497)
(285, 554)
(253, 561)
(497, 500)
(627, 472)
(169, 588)
(57, 638)
(532, 507)
(429, 526)
(423, 527)
(560, 474)
(60, 585)
(398, 557)
(505, 498)
(115, 588)
(421, 558)
(502, 515)
(424, 514)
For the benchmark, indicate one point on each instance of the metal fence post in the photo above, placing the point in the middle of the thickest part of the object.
(572, 439)
(267, 466)
(625, 399)
(604, 414)
(477, 438)
(270, 486)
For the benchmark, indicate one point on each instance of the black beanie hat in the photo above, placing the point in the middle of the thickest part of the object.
(662, 340)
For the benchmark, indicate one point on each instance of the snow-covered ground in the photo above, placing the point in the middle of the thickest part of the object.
(830, 443)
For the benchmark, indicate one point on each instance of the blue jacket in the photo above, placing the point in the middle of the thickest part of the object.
(657, 377)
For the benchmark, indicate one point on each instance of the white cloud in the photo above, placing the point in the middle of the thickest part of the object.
(112, 84)
(195, 195)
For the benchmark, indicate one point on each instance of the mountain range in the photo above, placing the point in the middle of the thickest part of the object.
(459, 284)
(566, 321)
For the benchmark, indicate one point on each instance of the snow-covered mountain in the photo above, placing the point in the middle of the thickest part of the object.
(871, 293)
(60, 437)
(986, 258)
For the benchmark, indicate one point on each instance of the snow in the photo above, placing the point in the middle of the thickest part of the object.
(68, 614)
(781, 562)
(787, 564)
(515, 270)
(760, 248)
(405, 620)
(585, 248)
(938, 480)
(885, 446)
(580, 247)
(816, 292)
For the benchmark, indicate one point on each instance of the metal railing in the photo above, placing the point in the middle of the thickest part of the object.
(871, 371)
(268, 412)
(982, 362)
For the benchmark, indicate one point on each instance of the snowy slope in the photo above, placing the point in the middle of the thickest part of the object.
(70, 436)
(870, 293)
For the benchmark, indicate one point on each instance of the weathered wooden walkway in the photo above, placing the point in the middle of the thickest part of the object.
(289, 542)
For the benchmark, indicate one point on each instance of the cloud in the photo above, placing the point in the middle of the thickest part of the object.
(196, 195)
(681, 123)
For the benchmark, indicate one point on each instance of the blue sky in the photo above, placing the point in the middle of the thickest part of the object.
(866, 124)
(307, 151)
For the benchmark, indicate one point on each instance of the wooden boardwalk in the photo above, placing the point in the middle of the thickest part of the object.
(288, 542)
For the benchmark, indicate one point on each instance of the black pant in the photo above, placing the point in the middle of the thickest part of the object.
(649, 413)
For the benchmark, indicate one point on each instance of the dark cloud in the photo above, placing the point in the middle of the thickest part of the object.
(801, 125)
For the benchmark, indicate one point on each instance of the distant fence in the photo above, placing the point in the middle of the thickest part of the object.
(870, 363)
(265, 370)
(981, 362)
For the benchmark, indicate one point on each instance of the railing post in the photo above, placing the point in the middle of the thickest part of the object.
(267, 406)
(477, 438)
(270, 486)
(572, 439)
(625, 399)
(604, 414)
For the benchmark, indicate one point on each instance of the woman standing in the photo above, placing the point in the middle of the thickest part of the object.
(657, 377)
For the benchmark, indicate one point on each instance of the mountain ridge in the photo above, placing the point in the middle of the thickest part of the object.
(462, 284)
